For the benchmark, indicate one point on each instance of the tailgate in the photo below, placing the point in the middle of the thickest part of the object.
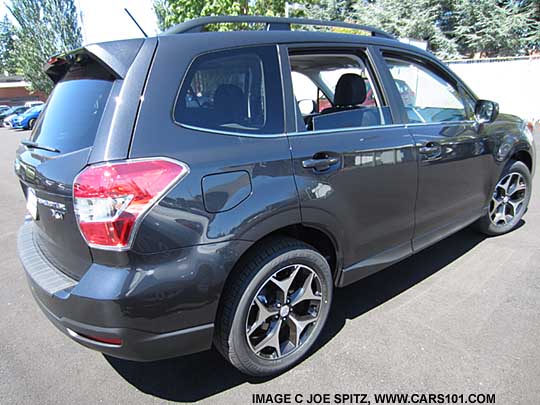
(60, 147)
(56, 233)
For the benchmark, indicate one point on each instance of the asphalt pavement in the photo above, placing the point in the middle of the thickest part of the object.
(460, 317)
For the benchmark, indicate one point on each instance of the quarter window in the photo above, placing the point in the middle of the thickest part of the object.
(426, 96)
(234, 91)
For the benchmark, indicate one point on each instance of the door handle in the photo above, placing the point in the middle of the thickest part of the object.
(320, 164)
(430, 148)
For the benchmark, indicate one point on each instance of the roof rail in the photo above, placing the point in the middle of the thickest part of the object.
(272, 24)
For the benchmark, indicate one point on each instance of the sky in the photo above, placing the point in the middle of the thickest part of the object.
(106, 20)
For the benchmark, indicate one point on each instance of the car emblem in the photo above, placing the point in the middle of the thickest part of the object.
(59, 215)
(58, 210)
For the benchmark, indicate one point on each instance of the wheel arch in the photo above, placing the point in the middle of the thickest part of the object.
(322, 241)
(523, 156)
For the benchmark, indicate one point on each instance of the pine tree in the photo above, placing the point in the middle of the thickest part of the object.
(45, 28)
(452, 28)
(7, 46)
(492, 28)
(414, 19)
(534, 44)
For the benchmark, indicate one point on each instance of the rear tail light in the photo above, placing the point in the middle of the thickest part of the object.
(111, 199)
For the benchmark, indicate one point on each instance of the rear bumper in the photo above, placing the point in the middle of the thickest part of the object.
(136, 345)
(160, 311)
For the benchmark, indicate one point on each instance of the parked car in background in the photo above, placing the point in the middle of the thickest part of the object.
(163, 227)
(7, 116)
(33, 103)
(9, 120)
(27, 119)
(3, 108)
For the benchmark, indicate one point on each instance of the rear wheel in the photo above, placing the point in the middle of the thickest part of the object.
(31, 124)
(274, 308)
(509, 200)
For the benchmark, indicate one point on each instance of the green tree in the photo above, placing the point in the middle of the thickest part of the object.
(534, 45)
(494, 28)
(334, 10)
(451, 28)
(45, 28)
(7, 46)
(171, 12)
(414, 19)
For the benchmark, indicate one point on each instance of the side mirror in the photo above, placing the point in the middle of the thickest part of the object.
(486, 111)
(307, 106)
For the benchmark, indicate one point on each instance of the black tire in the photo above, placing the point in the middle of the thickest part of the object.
(31, 124)
(253, 274)
(485, 224)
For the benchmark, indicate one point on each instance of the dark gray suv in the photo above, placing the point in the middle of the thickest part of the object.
(205, 188)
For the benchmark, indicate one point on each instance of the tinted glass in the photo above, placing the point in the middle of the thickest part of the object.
(426, 96)
(234, 91)
(74, 109)
(342, 89)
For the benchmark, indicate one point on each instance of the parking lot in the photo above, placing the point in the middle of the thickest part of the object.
(460, 317)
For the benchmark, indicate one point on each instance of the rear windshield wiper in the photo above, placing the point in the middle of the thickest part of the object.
(35, 145)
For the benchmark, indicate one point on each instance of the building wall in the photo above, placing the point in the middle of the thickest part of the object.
(514, 83)
(19, 95)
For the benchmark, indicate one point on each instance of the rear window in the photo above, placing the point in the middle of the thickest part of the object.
(233, 91)
(74, 109)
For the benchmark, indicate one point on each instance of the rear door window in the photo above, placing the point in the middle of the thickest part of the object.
(345, 80)
(236, 90)
(74, 109)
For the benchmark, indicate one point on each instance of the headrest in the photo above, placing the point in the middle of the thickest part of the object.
(350, 90)
(230, 100)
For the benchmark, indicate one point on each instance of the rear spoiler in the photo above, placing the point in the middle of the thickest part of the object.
(115, 56)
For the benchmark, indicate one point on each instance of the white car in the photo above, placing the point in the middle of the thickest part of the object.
(32, 103)
(7, 120)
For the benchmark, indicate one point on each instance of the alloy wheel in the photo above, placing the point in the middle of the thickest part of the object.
(284, 312)
(508, 200)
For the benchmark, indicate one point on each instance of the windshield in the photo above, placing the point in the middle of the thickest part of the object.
(32, 110)
(10, 111)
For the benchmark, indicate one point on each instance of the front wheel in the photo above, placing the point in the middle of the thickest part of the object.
(274, 308)
(31, 124)
(509, 200)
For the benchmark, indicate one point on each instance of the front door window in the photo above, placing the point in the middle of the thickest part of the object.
(426, 96)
